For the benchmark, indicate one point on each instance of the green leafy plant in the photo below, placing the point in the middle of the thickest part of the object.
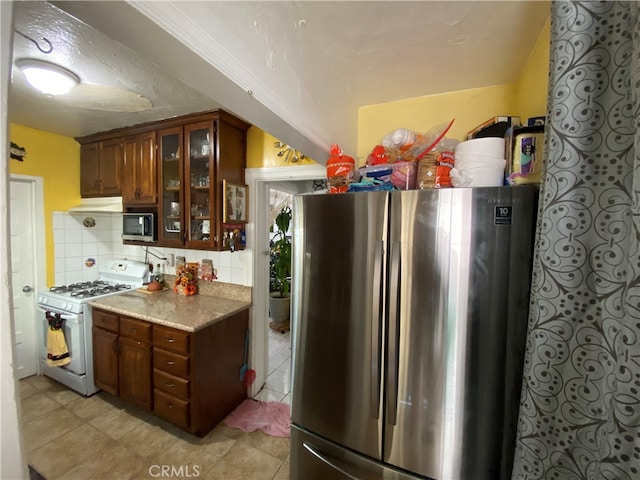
(281, 254)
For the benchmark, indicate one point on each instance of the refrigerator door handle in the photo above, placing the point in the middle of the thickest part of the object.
(394, 333)
(376, 320)
(314, 451)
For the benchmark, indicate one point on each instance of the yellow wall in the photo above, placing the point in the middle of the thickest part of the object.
(421, 114)
(525, 98)
(262, 153)
(57, 160)
(531, 88)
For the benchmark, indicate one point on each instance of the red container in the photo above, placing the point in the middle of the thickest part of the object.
(340, 170)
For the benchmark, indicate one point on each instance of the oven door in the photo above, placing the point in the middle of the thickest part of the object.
(74, 337)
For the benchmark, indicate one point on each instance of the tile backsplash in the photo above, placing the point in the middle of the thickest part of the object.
(84, 241)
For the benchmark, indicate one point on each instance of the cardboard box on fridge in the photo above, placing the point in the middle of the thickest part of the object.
(525, 154)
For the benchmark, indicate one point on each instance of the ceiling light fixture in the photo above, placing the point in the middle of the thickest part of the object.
(48, 78)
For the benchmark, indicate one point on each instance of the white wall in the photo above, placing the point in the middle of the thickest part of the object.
(75, 244)
(11, 455)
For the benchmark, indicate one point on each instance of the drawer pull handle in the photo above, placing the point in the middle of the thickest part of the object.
(134, 330)
(170, 385)
(171, 363)
(169, 405)
(170, 340)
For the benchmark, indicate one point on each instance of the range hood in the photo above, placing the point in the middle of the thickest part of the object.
(101, 204)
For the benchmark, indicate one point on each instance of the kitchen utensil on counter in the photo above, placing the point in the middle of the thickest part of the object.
(146, 290)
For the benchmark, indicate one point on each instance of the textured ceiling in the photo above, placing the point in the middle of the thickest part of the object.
(298, 70)
(117, 83)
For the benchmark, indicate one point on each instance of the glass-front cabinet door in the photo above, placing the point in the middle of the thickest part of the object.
(171, 208)
(199, 184)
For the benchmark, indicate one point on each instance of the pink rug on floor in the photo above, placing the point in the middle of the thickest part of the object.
(273, 418)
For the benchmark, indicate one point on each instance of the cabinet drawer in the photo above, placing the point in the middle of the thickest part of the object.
(171, 408)
(176, 386)
(171, 339)
(105, 320)
(171, 362)
(135, 329)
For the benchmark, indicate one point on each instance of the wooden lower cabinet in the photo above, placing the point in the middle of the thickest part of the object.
(134, 362)
(106, 326)
(172, 409)
(105, 360)
(122, 357)
(196, 375)
(190, 379)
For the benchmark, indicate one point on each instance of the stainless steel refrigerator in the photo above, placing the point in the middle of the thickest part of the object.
(409, 319)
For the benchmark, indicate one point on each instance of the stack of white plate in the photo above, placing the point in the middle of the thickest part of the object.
(479, 162)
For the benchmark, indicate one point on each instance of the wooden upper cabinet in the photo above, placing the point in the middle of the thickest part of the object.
(110, 166)
(175, 168)
(194, 159)
(231, 161)
(100, 168)
(232, 155)
(90, 170)
(139, 182)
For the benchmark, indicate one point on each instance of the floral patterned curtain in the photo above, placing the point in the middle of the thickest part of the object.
(580, 404)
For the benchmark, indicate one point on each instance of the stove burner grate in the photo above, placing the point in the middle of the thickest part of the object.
(90, 289)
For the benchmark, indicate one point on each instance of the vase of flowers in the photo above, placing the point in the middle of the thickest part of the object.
(186, 279)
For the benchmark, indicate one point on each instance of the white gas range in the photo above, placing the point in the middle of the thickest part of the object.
(70, 302)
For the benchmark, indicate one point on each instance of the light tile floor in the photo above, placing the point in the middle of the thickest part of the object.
(277, 387)
(67, 436)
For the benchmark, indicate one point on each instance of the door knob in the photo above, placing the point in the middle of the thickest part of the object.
(27, 289)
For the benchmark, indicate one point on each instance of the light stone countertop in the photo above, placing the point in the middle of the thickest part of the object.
(188, 313)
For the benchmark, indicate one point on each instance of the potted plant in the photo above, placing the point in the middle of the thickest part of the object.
(279, 301)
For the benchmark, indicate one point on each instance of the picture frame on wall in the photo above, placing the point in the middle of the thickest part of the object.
(234, 202)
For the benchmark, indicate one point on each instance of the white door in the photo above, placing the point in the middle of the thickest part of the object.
(22, 215)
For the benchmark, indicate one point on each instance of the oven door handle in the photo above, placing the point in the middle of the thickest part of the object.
(67, 317)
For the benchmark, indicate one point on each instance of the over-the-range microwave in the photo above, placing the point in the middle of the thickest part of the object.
(139, 226)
